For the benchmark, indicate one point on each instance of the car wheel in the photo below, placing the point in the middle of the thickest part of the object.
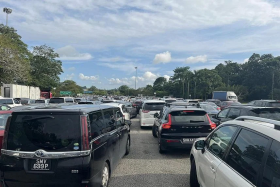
(154, 131)
(127, 149)
(161, 150)
(193, 176)
(105, 176)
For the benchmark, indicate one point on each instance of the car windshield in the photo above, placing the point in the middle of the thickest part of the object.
(208, 108)
(39, 101)
(47, 131)
(153, 106)
(56, 100)
(3, 120)
(6, 101)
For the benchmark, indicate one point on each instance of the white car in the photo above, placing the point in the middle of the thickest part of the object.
(122, 108)
(149, 108)
(10, 102)
(244, 152)
(57, 100)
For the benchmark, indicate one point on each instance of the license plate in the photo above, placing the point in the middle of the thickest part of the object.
(40, 164)
(188, 140)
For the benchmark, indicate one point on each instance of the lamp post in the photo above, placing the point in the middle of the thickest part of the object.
(135, 77)
(7, 11)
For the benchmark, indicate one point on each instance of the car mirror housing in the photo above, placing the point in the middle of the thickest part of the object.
(199, 145)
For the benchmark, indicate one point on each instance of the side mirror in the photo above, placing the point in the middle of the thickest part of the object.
(156, 115)
(199, 145)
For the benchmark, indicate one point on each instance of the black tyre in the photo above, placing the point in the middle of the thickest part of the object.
(193, 176)
(105, 176)
(154, 131)
(161, 149)
(127, 149)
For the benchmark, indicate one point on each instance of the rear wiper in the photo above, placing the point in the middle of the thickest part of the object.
(195, 121)
(42, 117)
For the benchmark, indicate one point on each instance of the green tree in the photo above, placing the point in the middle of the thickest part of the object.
(183, 75)
(68, 85)
(92, 88)
(148, 90)
(159, 84)
(45, 69)
(123, 90)
(14, 57)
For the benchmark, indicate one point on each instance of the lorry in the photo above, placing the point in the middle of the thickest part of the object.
(46, 94)
(225, 96)
(20, 91)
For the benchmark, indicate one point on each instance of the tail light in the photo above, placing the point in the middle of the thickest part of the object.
(145, 111)
(168, 124)
(5, 138)
(85, 133)
(219, 108)
(212, 125)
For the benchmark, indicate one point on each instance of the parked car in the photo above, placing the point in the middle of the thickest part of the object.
(212, 104)
(130, 109)
(42, 101)
(57, 100)
(235, 111)
(4, 115)
(266, 103)
(89, 102)
(216, 101)
(226, 104)
(122, 109)
(74, 145)
(179, 127)
(170, 100)
(10, 102)
(150, 107)
(240, 153)
(25, 101)
(138, 105)
(210, 109)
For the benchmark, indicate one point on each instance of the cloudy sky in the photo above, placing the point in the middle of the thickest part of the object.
(100, 42)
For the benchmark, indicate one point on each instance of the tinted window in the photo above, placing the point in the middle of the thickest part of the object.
(233, 113)
(223, 113)
(69, 100)
(39, 101)
(6, 101)
(271, 174)
(3, 120)
(270, 113)
(109, 119)
(153, 106)
(56, 100)
(220, 140)
(274, 104)
(51, 132)
(97, 124)
(247, 153)
(258, 103)
(118, 117)
(188, 117)
(170, 101)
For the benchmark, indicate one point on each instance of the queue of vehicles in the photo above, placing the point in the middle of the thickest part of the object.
(86, 155)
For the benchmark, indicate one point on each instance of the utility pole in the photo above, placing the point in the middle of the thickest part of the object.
(272, 89)
(7, 11)
(135, 77)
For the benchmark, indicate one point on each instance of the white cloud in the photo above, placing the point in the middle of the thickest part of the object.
(149, 76)
(69, 76)
(72, 69)
(246, 60)
(117, 81)
(167, 77)
(196, 59)
(92, 78)
(164, 57)
(70, 53)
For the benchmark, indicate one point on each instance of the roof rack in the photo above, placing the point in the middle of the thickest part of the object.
(263, 120)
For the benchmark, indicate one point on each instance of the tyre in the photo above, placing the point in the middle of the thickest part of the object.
(127, 149)
(193, 175)
(105, 176)
(161, 149)
(154, 131)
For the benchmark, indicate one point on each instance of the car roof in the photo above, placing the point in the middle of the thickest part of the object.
(113, 104)
(154, 101)
(249, 107)
(179, 108)
(262, 127)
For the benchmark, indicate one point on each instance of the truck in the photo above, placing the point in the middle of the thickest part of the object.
(46, 94)
(20, 91)
(225, 96)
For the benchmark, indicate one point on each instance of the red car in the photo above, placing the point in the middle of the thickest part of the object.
(4, 114)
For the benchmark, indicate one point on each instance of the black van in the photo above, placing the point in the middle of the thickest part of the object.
(73, 146)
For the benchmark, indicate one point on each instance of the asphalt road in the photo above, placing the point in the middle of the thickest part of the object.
(145, 166)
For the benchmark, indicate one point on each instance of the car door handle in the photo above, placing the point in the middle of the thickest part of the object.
(212, 169)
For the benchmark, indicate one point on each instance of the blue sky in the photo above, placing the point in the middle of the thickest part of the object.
(101, 42)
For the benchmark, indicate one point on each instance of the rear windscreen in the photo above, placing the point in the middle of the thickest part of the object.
(56, 100)
(6, 101)
(276, 104)
(39, 101)
(3, 120)
(170, 101)
(153, 106)
(47, 131)
(188, 116)
(268, 113)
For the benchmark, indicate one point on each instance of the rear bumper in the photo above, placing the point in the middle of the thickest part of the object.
(147, 122)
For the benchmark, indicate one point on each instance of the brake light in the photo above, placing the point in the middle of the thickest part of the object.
(218, 108)
(145, 111)
(85, 133)
(188, 111)
(212, 124)
(168, 124)
(5, 138)
(171, 141)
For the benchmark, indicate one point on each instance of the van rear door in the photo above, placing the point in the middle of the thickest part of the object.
(43, 148)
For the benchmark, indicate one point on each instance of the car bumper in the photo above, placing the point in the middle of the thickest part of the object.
(147, 122)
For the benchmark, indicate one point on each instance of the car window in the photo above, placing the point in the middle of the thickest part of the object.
(269, 113)
(56, 100)
(223, 113)
(97, 124)
(271, 174)
(234, 113)
(48, 131)
(247, 153)
(3, 120)
(69, 100)
(109, 119)
(186, 116)
(6, 101)
(153, 106)
(276, 104)
(39, 101)
(258, 103)
(219, 141)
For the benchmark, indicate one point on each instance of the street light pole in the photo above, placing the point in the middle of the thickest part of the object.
(7, 11)
(135, 77)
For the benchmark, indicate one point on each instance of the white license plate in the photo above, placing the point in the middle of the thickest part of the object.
(188, 140)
